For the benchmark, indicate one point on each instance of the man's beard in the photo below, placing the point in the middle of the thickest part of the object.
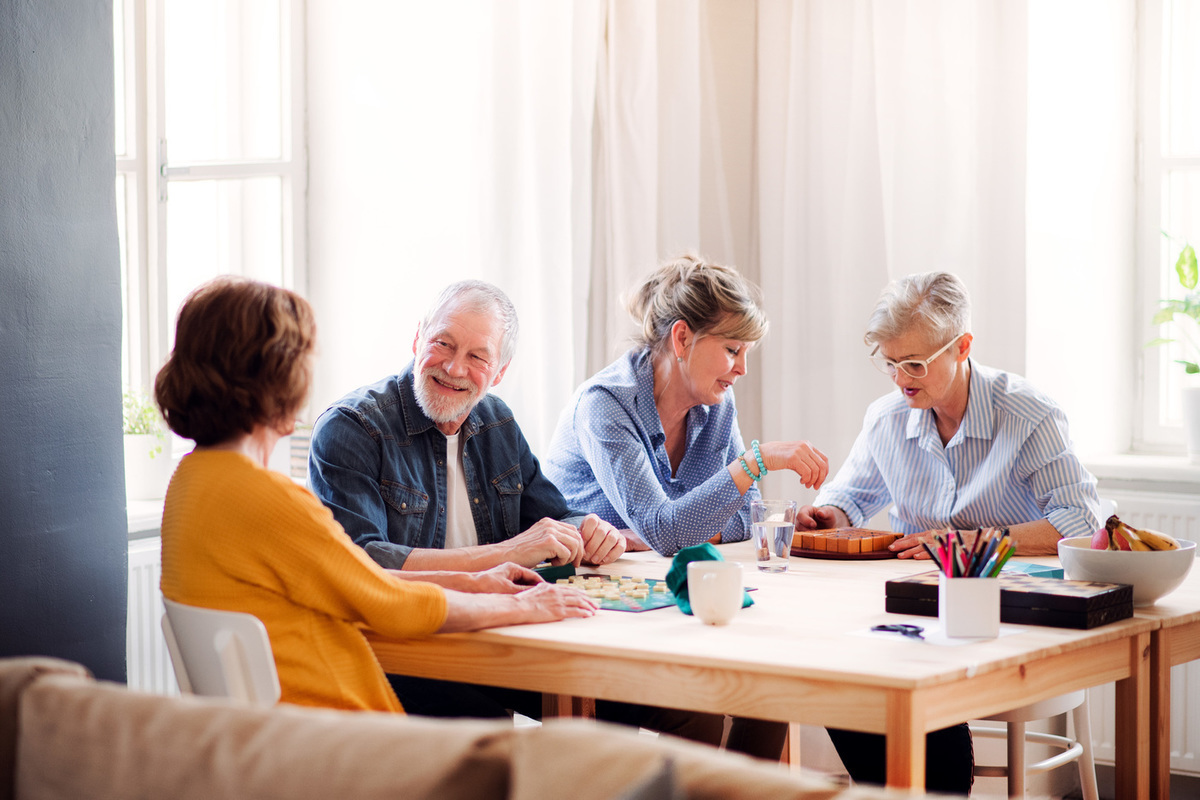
(442, 409)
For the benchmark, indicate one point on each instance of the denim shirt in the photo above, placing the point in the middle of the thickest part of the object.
(379, 463)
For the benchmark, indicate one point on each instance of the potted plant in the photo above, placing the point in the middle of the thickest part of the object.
(147, 464)
(1184, 316)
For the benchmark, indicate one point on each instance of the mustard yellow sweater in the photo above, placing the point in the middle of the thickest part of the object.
(238, 537)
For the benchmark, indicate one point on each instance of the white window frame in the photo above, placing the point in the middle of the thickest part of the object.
(150, 171)
(1157, 374)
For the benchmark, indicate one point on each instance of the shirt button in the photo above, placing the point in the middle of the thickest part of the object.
(519, 486)
(403, 506)
(440, 462)
(441, 509)
(476, 501)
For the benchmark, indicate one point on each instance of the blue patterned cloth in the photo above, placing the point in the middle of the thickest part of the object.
(609, 458)
(1010, 461)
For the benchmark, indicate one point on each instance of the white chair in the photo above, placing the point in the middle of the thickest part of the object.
(1078, 748)
(220, 654)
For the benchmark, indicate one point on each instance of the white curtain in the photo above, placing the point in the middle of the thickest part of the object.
(562, 150)
(824, 148)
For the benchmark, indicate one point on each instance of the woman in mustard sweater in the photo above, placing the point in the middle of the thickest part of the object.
(239, 537)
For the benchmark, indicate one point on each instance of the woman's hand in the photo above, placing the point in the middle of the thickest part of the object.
(548, 602)
(545, 602)
(910, 546)
(506, 578)
(801, 458)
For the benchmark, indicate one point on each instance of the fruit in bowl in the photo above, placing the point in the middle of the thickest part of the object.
(1117, 535)
(1153, 573)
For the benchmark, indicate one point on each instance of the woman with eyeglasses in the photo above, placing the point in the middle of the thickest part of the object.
(959, 446)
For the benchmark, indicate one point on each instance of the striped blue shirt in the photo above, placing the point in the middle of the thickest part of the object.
(609, 458)
(1010, 461)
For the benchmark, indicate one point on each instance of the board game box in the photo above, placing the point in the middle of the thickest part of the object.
(1024, 599)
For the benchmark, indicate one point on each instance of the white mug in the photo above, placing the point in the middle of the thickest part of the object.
(715, 590)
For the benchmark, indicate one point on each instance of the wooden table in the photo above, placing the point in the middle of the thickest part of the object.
(1175, 641)
(804, 653)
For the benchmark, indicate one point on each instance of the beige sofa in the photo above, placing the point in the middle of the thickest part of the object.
(64, 735)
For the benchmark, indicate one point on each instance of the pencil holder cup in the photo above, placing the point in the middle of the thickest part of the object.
(969, 608)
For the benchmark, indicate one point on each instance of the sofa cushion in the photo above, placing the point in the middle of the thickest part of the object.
(101, 741)
(15, 675)
(567, 758)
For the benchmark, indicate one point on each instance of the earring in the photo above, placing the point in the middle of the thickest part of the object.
(679, 359)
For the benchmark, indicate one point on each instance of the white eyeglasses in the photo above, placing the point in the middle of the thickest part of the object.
(912, 368)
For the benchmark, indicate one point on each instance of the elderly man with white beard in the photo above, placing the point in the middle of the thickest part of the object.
(427, 471)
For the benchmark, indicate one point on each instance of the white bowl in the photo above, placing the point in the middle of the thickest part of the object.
(1152, 573)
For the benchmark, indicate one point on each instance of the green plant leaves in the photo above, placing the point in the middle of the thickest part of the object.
(140, 415)
(1185, 267)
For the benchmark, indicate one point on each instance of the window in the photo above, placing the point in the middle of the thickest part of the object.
(1169, 196)
(210, 156)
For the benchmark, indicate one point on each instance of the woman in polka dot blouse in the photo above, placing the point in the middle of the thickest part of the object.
(651, 442)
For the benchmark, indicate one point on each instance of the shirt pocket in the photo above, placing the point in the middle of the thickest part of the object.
(509, 488)
(405, 501)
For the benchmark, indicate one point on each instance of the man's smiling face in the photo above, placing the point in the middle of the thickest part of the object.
(457, 360)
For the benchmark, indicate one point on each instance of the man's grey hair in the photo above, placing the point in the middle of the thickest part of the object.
(473, 295)
(937, 301)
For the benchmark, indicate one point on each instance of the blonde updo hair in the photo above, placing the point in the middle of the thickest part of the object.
(713, 300)
(241, 359)
(937, 301)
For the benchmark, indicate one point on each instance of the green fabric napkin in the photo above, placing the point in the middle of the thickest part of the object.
(677, 576)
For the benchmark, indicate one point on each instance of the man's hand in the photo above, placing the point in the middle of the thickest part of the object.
(546, 540)
(813, 518)
(507, 578)
(602, 543)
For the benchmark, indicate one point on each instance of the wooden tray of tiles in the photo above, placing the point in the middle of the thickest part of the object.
(844, 543)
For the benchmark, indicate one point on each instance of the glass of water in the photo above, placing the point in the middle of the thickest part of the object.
(773, 522)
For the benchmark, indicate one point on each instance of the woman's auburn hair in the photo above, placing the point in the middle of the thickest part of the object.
(241, 359)
(714, 300)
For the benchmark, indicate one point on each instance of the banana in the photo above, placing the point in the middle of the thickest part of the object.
(1158, 540)
(1140, 539)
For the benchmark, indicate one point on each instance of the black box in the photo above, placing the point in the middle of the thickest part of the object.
(1024, 599)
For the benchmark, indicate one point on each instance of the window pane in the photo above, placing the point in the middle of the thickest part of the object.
(223, 80)
(1181, 221)
(123, 74)
(218, 227)
(1181, 115)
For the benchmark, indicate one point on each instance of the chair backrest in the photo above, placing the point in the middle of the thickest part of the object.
(220, 653)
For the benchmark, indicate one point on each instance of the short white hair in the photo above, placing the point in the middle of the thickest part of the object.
(937, 301)
(473, 295)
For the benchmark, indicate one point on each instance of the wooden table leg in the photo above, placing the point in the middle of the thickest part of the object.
(565, 705)
(1160, 714)
(1133, 723)
(905, 746)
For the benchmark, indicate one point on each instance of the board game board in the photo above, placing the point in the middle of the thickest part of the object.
(844, 543)
(622, 593)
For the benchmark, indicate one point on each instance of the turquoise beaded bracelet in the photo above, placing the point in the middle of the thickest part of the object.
(762, 468)
(746, 468)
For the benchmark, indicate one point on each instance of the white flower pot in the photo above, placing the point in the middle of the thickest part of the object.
(1191, 422)
(146, 472)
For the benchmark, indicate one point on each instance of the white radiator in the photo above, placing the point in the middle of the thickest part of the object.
(147, 659)
(1178, 515)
